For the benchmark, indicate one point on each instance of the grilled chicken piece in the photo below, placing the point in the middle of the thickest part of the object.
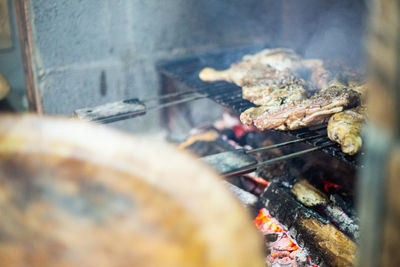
(345, 128)
(266, 86)
(312, 111)
(278, 59)
(266, 77)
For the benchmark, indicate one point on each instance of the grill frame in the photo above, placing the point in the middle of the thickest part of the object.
(186, 71)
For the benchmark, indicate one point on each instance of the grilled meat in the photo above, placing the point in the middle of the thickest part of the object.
(278, 59)
(312, 111)
(345, 128)
(272, 79)
(267, 86)
(266, 77)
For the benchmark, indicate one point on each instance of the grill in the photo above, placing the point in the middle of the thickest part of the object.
(185, 71)
(229, 95)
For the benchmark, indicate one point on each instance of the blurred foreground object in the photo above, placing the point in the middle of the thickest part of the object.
(4, 87)
(5, 27)
(379, 181)
(78, 194)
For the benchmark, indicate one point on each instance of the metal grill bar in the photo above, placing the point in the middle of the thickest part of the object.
(251, 168)
(283, 144)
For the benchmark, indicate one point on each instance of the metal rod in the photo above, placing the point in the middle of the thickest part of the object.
(255, 166)
(176, 102)
(137, 113)
(194, 95)
(283, 144)
(156, 98)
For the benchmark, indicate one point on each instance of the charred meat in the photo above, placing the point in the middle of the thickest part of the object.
(266, 78)
(267, 86)
(278, 59)
(312, 111)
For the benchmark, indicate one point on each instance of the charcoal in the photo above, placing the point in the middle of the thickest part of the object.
(326, 244)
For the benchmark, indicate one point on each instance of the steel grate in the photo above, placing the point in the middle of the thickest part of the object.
(229, 95)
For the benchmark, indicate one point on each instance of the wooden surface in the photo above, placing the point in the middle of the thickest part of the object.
(77, 194)
(27, 44)
(339, 250)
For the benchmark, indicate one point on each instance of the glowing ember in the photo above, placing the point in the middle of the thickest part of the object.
(283, 251)
(229, 121)
(256, 179)
(329, 185)
(238, 130)
(264, 223)
(241, 129)
(287, 244)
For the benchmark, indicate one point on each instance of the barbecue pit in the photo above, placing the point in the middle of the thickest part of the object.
(182, 90)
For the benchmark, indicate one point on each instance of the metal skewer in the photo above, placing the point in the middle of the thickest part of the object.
(283, 144)
(130, 108)
(250, 168)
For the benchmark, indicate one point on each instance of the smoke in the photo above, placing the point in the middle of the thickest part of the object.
(328, 29)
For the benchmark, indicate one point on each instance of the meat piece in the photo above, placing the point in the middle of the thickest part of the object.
(266, 77)
(266, 86)
(278, 59)
(345, 128)
(312, 111)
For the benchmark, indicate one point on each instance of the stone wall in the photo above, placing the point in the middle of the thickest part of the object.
(78, 42)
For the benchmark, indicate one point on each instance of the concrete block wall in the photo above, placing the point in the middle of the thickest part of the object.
(78, 42)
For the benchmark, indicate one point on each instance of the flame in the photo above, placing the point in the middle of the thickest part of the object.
(264, 222)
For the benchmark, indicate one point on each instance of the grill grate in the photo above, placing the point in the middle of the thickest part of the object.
(229, 95)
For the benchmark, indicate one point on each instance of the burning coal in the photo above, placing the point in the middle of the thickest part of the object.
(283, 249)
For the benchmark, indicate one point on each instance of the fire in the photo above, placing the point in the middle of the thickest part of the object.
(264, 222)
(284, 249)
